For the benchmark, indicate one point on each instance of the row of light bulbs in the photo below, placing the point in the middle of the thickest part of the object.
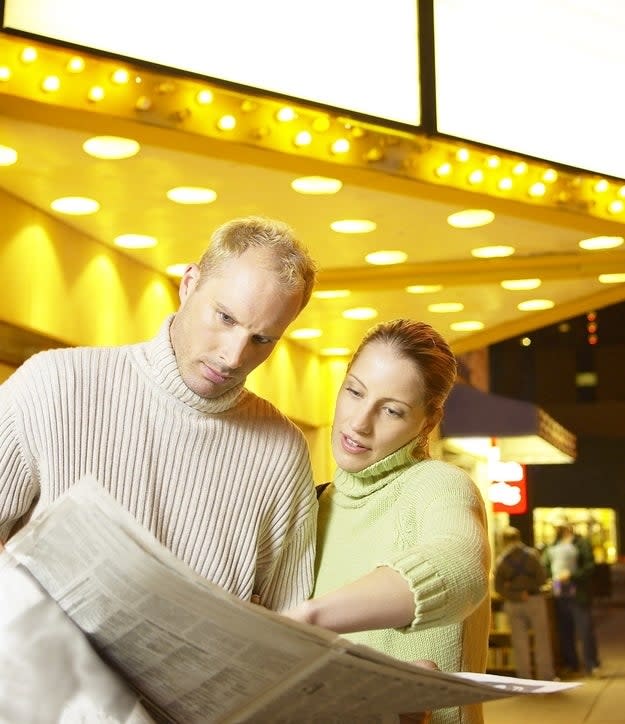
(460, 167)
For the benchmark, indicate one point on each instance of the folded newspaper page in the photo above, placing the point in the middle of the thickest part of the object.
(195, 653)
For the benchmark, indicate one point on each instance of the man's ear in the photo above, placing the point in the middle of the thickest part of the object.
(189, 282)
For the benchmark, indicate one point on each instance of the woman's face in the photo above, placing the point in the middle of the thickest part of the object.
(378, 409)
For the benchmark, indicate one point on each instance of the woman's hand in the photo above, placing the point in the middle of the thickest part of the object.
(419, 717)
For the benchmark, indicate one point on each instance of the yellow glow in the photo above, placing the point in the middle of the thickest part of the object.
(341, 145)
(621, 192)
(331, 294)
(28, 55)
(611, 278)
(386, 257)
(550, 176)
(51, 83)
(176, 270)
(321, 124)
(360, 313)
(204, 97)
(135, 241)
(424, 288)
(491, 252)
(335, 351)
(75, 64)
(520, 168)
(143, 103)
(191, 195)
(525, 341)
(120, 76)
(444, 169)
(316, 185)
(462, 155)
(535, 305)
(445, 307)
(286, 114)
(111, 147)
(601, 186)
(493, 162)
(520, 284)
(476, 177)
(536, 190)
(353, 226)
(226, 123)
(305, 333)
(96, 93)
(8, 156)
(75, 205)
(468, 326)
(505, 184)
(5, 72)
(303, 138)
(470, 218)
(616, 206)
(601, 242)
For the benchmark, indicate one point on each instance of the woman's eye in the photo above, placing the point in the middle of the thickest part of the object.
(353, 392)
(393, 413)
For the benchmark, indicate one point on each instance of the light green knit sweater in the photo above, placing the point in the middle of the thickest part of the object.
(427, 521)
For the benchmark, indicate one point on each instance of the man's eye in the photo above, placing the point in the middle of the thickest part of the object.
(262, 340)
(225, 318)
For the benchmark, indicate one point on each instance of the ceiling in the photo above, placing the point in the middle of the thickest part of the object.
(252, 178)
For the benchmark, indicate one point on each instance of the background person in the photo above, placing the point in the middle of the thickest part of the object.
(519, 577)
(216, 473)
(403, 555)
(570, 565)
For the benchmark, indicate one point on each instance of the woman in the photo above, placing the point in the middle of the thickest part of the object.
(403, 555)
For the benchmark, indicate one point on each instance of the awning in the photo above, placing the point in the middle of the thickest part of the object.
(524, 432)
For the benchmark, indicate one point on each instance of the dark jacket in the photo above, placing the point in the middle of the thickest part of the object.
(518, 571)
(582, 577)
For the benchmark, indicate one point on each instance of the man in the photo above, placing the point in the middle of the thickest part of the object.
(519, 575)
(216, 473)
(570, 564)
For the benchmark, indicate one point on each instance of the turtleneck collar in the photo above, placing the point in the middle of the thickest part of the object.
(161, 360)
(376, 476)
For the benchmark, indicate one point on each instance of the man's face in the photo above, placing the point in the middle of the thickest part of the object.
(230, 323)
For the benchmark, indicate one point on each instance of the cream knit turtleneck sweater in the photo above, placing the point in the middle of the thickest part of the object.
(427, 521)
(225, 483)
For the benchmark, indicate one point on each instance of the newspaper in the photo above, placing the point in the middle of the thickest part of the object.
(193, 652)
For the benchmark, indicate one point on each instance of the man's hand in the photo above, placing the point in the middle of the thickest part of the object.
(419, 717)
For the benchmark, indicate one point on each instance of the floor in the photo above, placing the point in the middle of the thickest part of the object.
(595, 701)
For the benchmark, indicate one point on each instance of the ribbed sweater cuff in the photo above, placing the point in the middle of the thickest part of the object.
(428, 589)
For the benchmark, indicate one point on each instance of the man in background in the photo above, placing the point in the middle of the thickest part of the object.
(519, 577)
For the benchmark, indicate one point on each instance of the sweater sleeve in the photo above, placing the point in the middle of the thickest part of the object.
(445, 555)
(18, 489)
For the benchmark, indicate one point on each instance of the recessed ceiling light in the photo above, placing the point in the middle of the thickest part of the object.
(386, 258)
(470, 218)
(535, 305)
(75, 205)
(445, 307)
(5, 73)
(176, 270)
(316, 185)
(468, 326)
(191, 195)
(335, 351)
(601, 242)
(515, 285)
(331, 293)
(353, 226)
(111, 147)
(424, 288)
(611, 278)
(491, 252)
(305, 333)
(8, 156)
(135, 241)
(360, 313)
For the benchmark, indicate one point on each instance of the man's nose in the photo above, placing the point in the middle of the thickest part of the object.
(233, 349)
